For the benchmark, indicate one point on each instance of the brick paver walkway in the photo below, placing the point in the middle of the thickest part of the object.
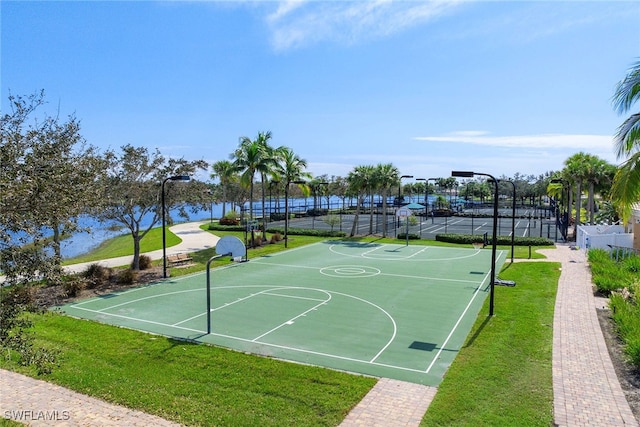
(586, 389)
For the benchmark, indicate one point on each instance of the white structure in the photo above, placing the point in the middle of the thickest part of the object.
(603, 237)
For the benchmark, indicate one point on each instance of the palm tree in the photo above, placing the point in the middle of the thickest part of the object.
(225, 171)
(359, 181)
(253, 156)
(387, 176)
(290, 169)
(625, 190)
(595, 174)
(574, 166)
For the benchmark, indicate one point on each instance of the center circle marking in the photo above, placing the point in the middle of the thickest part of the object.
(349, 271)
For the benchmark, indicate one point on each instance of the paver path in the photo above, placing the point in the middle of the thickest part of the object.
(586, 389)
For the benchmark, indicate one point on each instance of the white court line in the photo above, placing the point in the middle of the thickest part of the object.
(288, 322)
(444, 344)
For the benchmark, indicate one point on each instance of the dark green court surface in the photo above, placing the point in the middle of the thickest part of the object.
(385, 310)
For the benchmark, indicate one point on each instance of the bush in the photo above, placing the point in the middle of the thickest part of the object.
(307, 232)
(229, 221)
(127, 277)
(97, 275)
(144, 262)
(215, 226)
(73, 286)
(501, 240)
(15, 338)
(276, 237)
(608, 274)
(412, 236)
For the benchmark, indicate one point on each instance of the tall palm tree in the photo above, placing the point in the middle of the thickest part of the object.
(574, 166)
(359, 181)
(386, 177)
(290, 169)
(595, 172)
(253, 156)
(225, 171)
(625, 190)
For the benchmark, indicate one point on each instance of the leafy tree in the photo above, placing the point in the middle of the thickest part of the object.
(47, 180)
(626, 185)
(132, 191)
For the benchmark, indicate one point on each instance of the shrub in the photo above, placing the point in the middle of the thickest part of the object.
(127, 277)
(307, 232)
(144, 262)
(501, 240)
(228, 221)
(73, 286)
(276, 237)
(412, 236)
(97, 275)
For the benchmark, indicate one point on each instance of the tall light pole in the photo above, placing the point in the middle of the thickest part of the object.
(164, 234)
(426, 195)
(513, 218)
(468, 174)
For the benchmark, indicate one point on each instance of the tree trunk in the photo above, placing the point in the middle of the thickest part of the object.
(354, 227)
(135, 265)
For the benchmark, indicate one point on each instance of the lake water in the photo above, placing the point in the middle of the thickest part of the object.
(81, 243)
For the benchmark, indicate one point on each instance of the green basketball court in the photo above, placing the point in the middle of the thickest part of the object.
(388, 310)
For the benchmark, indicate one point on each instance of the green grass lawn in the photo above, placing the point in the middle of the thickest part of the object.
(502, 375)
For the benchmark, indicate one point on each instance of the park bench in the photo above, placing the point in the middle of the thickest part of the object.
(179, 259)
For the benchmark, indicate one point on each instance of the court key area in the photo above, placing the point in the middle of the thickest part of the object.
(387, 310)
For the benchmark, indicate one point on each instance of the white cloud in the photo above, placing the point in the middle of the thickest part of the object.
(299, 23)
(550, 141)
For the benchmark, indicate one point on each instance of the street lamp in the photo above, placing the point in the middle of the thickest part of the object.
(513, 216)
(426, 196)
(164, 234)
(564, 224)
(467, 174)
(400, 185)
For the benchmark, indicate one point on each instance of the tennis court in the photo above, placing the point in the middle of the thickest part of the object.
(388, 310)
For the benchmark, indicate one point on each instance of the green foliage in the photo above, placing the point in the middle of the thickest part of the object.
(16, 341)
(621, 280)
(307, 232)
(412, 236)
(501, 240)
(222, 227)
(608, 274)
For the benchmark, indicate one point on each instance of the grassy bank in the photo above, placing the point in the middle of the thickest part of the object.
(123, 246)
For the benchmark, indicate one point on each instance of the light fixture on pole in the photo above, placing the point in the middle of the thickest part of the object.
(468, 174)
(426, 196)
(164, 234)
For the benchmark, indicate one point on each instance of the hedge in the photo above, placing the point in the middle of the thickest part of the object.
(501, 240)
(307, 232)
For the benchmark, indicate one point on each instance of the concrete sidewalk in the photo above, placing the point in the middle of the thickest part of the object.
(193, 239)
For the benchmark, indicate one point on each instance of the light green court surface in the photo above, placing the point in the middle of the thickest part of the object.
(394, 311)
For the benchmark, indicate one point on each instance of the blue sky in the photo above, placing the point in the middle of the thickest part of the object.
(494, 87)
